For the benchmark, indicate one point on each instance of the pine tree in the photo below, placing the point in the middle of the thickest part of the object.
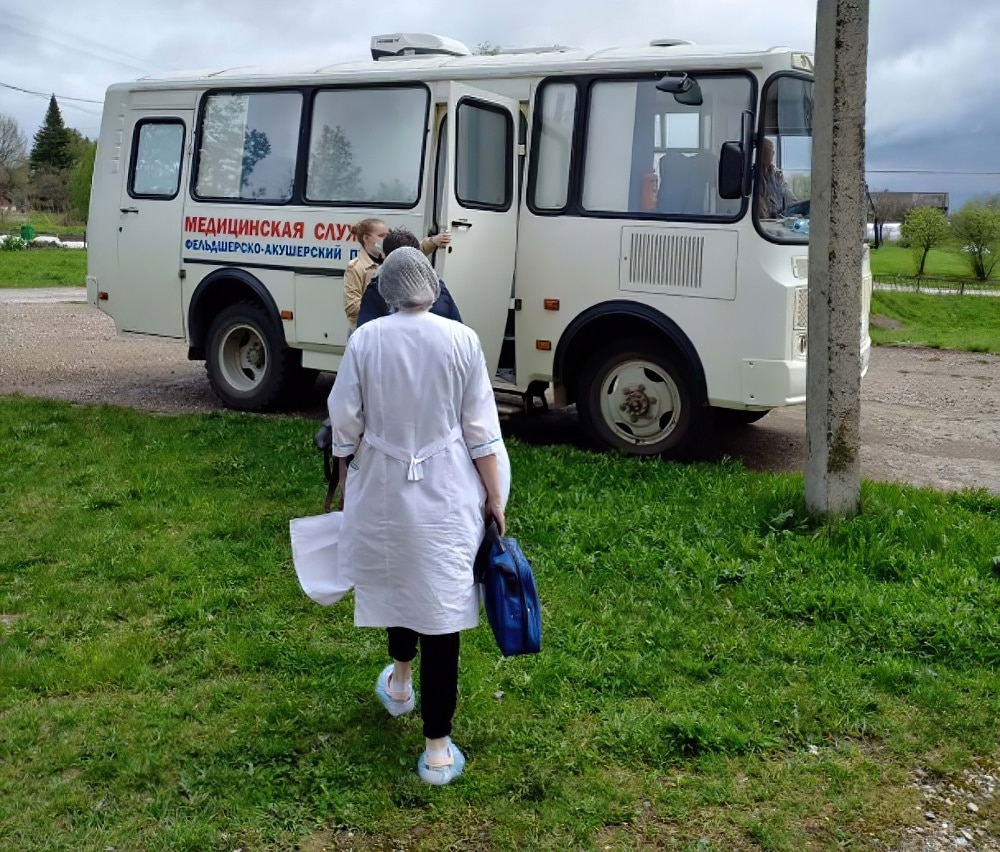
(53, 144)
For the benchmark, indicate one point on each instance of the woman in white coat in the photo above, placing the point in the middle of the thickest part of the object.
(413, 409)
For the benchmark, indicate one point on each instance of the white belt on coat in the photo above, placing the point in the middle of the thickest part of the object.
(414, 472)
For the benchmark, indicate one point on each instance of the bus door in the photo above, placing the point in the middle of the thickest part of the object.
(150, 222)
(475, 200)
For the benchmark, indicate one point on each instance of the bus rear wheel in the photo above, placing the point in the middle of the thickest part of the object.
(634, 398)
(247, 361)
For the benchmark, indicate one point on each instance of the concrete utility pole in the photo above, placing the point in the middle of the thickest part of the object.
(837, 215)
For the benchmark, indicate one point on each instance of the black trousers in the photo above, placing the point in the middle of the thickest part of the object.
(438, 675)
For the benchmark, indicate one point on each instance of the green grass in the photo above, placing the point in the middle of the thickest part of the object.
(43, 267)
(968, 323)
(47, 268)
(718, 670)
(892, 260)
(50, 224)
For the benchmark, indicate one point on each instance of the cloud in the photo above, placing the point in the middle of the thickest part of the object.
(932, 92)
(934, 87)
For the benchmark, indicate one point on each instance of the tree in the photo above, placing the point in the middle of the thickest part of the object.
(332, 173)
(13, 160)
(48, 190)
(396, 192)
(256, 146)
(230, 151)
(978, 230)
(887, 207)
(220, 164)
(988, 199)
(486, 48)
(79, 145)
(80, 178)
(924, 228)
(53, 142)
(802, 186)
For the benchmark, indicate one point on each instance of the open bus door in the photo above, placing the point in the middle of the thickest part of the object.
(475, 199)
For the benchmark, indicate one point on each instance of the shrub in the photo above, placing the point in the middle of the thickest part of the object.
(923, 229)
(978, 230)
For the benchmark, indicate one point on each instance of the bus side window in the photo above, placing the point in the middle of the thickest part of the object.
(555, 119)
(156, 162)
(647, 153)
(366, 146)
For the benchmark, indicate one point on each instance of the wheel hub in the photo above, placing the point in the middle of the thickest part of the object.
(636, 403)
(254, 354)
(639, 402)
(243, 358)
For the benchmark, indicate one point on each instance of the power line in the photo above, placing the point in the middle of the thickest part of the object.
(76, 48)
(75, 37)
(49, 94)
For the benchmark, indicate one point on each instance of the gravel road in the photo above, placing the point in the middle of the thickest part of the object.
(929, 418)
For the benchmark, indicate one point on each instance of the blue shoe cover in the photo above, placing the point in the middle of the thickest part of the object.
(393, 705)
(441, 775)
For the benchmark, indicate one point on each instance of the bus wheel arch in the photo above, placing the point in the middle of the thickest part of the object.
(216, 292)
(636, 378)
(234, 325)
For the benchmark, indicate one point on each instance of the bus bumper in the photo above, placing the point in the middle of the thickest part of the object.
(772, 384)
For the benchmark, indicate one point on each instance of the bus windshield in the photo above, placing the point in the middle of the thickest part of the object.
(784, 155)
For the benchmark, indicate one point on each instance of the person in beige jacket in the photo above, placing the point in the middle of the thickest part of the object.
(369, 233)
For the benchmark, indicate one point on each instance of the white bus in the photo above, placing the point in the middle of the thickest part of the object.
(607, 245)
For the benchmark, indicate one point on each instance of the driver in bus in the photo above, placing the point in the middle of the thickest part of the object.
(773, 194)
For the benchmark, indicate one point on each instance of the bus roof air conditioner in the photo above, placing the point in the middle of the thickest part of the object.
(399, 45)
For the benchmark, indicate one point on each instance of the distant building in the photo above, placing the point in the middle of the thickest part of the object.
(908, 200)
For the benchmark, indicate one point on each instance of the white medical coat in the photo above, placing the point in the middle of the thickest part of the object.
(414, 404)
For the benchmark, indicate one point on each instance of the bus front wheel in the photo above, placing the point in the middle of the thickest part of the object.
(247, 360)
(634, 398)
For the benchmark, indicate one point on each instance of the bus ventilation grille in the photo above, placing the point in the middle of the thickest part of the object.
(666, 260)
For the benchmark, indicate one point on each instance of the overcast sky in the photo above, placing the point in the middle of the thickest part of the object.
(933, 86)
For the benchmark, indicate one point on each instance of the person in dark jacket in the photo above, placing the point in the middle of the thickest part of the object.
(374, 306)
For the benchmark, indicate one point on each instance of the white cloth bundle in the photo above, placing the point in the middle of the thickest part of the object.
(314, 554)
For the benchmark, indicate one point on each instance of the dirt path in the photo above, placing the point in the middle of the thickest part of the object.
(929, 418)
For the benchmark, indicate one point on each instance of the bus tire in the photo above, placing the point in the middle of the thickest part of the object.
(634, 398)
(247, 361)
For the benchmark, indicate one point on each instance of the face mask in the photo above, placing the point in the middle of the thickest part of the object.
(376, 247)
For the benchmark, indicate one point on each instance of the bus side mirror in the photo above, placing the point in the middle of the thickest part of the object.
(731, 170)
(683, 87)
(735, 171)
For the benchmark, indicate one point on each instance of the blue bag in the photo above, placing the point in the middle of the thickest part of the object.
(509, 595)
